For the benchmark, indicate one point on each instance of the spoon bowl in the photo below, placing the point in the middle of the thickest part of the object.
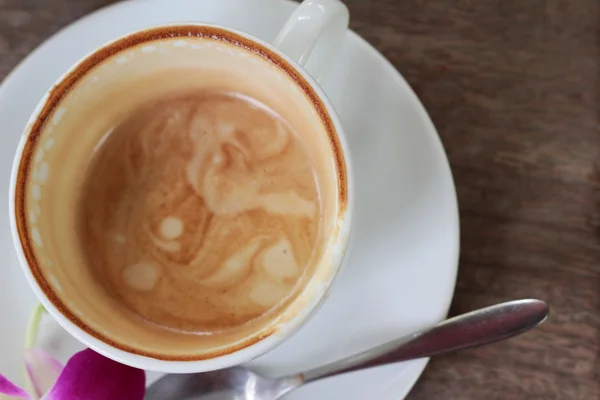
(235, 383)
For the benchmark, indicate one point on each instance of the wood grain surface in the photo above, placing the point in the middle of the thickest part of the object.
(513, 87)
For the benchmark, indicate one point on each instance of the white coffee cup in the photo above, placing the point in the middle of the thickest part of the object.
(302, 54)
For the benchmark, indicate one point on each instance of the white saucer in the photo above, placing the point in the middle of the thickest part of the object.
(402, 266)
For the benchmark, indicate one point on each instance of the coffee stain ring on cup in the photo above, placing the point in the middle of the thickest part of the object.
(51, 107)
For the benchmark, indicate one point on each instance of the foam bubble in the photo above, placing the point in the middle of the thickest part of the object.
(39, 155)
(49, 143)
(37, 238)
(43, 172)
(171, 228)
(58, 115)
(55, 283)
(268, 294)
(142, 276)
(36, 191)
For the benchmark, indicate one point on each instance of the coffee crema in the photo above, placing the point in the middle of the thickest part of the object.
(200, 211)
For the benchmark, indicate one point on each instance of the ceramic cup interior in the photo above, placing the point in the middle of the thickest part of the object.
(65, 129)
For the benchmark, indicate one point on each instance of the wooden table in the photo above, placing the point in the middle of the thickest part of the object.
(513, 87)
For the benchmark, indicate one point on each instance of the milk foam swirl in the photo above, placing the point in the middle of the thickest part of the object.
(200, 212)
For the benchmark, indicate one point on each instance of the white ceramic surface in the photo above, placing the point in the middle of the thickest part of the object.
(170, 53)
(402, 263)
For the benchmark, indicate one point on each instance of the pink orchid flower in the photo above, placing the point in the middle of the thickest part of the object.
(87, 376)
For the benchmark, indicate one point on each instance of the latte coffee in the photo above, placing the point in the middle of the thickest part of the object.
(200, 211)
(182, 196)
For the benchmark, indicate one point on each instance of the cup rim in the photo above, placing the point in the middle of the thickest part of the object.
(231, 355)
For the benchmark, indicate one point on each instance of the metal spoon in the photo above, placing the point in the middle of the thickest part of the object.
(476, 328)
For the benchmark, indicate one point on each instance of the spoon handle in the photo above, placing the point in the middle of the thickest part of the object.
(476, 328)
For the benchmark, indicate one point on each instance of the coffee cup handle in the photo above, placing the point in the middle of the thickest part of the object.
(313, 35)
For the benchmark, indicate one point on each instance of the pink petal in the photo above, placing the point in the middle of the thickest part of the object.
(43, 369)
(9, 388)
(90, 376)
